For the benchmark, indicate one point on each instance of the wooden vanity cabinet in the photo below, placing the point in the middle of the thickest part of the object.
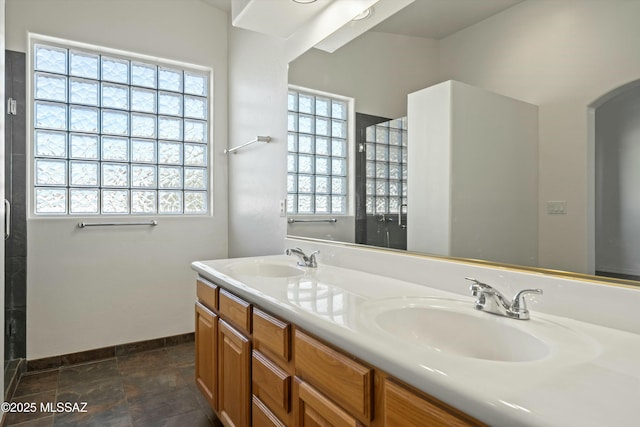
(257, 370)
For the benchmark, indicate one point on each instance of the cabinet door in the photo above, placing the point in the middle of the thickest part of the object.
(313, 409)
(207, 353)
(234, 379)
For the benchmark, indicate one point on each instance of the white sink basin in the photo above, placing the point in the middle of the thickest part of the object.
(456, 328)
(261, 268)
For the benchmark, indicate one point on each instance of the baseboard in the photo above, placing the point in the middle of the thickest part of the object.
(70, 359)
(11, 376)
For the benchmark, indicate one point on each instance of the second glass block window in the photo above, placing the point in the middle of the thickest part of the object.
(114, 135)
(317, 160)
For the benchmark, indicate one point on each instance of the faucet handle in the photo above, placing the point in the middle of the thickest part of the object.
(290, 251)
(519, 304)
(478, 287)
(312, 259)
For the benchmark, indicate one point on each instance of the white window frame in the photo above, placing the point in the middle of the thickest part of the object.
(132, 56)
(351, 158)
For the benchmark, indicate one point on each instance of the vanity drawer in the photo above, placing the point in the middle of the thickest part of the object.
(271, 335)
(207, 294)
(270, 382)
(235, 310)
(261, 416)
(403, 407)
(314, 409)
(344, 380)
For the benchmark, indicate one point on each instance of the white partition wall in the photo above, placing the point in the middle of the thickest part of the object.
(472, 174)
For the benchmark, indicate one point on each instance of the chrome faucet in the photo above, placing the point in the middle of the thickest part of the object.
(492, 301)
(305, 261)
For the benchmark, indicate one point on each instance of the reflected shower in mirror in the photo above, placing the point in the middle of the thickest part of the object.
(381, 175)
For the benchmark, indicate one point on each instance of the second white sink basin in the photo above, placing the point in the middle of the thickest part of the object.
(260, 268)
(455, 328)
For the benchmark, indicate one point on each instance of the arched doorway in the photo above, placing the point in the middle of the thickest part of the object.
(617, 183)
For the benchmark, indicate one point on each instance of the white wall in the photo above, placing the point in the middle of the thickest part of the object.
(99, 287)
(561, 56)
(494, 177)
(473, 174)
(618, 184)
(257, 173)
(376, 69)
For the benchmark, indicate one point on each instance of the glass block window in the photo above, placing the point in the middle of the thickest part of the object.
(116, 135)
(317, 155)
(386, 174)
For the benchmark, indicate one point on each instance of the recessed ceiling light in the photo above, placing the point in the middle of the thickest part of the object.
(364, 15)
(304, 1)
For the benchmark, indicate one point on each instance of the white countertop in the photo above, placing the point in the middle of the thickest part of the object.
(591, 377)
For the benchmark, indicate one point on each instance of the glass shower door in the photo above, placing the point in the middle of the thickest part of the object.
(383, 155)
(15, 245)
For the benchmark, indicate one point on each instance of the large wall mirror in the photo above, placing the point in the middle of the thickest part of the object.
(575, 63)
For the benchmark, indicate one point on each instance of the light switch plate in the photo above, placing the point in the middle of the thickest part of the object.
(283, 207)
(558, 207)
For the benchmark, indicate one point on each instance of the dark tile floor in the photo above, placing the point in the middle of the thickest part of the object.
(149, 389)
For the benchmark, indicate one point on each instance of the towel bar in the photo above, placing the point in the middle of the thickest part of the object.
(152, 223)
(294, 220)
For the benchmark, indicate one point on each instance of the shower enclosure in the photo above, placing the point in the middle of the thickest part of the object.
(381, 181)
(15, 309)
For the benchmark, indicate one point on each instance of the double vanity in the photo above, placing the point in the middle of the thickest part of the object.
(280, 343)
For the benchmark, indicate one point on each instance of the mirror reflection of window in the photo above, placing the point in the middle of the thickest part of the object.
(386, 148)
(323, 300)
(317, 165)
